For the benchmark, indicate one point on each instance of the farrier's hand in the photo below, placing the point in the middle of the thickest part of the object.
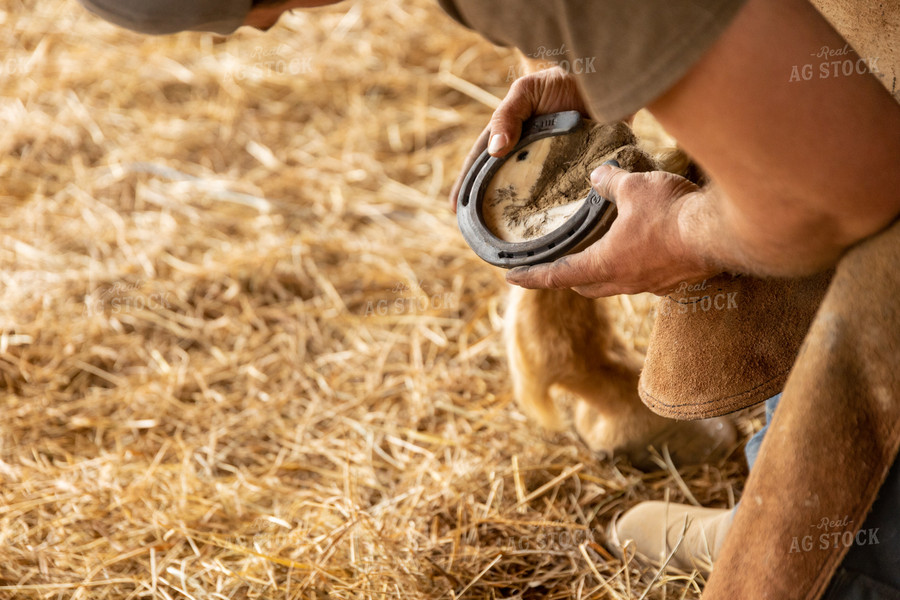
(547, 91)
(645, 250)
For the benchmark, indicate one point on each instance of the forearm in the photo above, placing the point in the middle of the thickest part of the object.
(710, 227)
(804, 169)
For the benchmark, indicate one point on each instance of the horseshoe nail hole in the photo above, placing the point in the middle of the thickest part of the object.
(522, 155)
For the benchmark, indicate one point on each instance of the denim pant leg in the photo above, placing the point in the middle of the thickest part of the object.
(751, 449)
(871, 568)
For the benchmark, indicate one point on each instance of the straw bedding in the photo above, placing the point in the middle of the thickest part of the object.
(244, 352)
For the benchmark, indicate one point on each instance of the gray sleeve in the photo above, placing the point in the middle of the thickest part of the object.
(625, 53)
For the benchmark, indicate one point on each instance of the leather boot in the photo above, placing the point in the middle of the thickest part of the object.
(657, 528)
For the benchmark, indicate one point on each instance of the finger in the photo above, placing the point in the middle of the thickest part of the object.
(609, 181)
(506, 122)
(474, 153)
(574, 270)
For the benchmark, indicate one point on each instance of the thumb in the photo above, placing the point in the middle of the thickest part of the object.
(608, 179)
(506, 122)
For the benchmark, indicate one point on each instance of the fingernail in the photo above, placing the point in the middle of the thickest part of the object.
(513, 274)
(498, 141)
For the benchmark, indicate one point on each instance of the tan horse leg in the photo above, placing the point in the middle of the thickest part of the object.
(559, 338)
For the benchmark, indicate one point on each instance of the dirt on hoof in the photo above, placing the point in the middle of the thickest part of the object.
(543, 184)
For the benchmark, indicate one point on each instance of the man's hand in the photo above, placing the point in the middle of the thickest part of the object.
(645, 250)
(548, 91)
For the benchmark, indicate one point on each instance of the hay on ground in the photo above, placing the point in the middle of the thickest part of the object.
(244, 351)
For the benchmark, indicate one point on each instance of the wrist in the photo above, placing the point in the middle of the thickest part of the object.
(698, 234)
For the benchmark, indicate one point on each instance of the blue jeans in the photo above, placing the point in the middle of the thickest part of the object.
(870, 571)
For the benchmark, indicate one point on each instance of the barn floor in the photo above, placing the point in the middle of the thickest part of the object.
(244, 351)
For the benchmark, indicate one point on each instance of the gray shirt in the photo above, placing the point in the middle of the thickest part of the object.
(625, 53)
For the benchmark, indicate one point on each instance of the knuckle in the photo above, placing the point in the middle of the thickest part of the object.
(671, 181)
(602, 269)
(549, 279)
(557, 72)
(552, 278)
(628, 183)
(500, 116)
(610, 185)
(519, 85)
